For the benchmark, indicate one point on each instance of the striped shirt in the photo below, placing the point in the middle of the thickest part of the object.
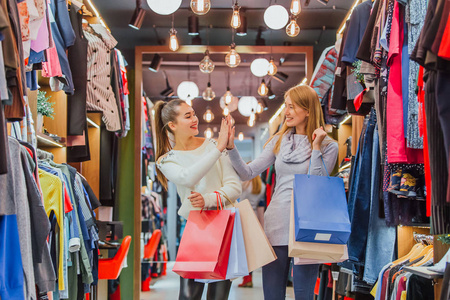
(100, 95)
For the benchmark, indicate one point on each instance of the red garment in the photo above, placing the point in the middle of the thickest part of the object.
(423, 132)
(67, 204)
(384, 284)
(395, 133)
(444, 49)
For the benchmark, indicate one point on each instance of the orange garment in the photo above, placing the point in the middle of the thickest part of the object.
(52, 190)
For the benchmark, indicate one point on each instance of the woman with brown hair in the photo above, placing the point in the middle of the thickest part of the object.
(198, 167)
(301, 145)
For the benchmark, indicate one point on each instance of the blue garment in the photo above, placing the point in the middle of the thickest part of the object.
(275, 277)
(356, 28)
(32, 80)
(36, 57)
(11, 269)
(381, 239)
(64, 37)
(360, 196)
(405, 79)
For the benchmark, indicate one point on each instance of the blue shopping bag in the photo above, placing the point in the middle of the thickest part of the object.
(320, 209)
(237, 262)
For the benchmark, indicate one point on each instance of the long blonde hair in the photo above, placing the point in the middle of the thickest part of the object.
(305, 97)
(165, 112)
(256, 185)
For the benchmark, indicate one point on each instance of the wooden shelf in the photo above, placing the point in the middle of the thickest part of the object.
(48, 142)
(94, 119)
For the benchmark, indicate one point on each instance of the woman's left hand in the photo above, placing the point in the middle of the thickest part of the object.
(197, 200)
(318, 136)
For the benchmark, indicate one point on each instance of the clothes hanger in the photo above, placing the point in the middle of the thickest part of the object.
(416, 249)
(423, 253)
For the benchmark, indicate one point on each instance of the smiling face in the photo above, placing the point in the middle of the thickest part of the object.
(186, 122)
(295, 115)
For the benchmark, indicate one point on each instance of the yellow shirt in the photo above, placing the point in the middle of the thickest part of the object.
(52, 191)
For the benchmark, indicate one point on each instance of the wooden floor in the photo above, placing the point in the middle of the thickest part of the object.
(167, 288)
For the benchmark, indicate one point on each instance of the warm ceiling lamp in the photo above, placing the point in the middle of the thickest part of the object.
(209, 133)
(187, 91)
(241, 136)
(259, 108)
(263, 90)
(228, 96)
(206, 65)
(293, 29)
(242, 30)
(200, 7)
(259, 67)
(193, 25)
(166, 7)
(138, 16)
(208, 93)
(276, 17)
(173, 41)
(235, 18)
(233, 59)
(226, 111)
(272, 67)
(208, 116)
(252, 119)
(156, 63)
(296, 7)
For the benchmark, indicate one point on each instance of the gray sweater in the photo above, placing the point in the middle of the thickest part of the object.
(293, 158)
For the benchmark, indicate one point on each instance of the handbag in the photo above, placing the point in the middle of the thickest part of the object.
(312, 251)
(205, 245)
(320, 207)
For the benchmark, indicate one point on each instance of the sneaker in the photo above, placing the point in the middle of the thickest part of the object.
(408, 186)
(395, 181)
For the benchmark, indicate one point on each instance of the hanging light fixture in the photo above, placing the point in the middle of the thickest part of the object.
(187, 90)
(208, 133)
(247, 105)
(200, 7)
(156, 63)
(272, 67)
(173, 41)
(276, 17)
(259, 67)
(208, 116)
(259, 108)
(193, 25)
(138, 16)
(226, 111)
(165, 7)
(235, 18)
(296, 7)
(206, 65)
(270, 93)
(241, 136)
(293, 29)
(208, 93)
(242, 30)
(233, 59)
(228, 96)
(252, 119)
(263, 90)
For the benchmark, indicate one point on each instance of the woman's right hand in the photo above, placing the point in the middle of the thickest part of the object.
(222, 140)
(231, 133)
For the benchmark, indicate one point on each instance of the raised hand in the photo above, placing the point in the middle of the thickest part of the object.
(222, 140)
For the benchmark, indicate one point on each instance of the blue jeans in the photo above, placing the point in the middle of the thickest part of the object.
(380, 239)
(276, 273)
(359, 198)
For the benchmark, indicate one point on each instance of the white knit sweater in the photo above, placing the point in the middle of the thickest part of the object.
(203, 170)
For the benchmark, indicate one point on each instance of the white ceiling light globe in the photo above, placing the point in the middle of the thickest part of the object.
(247, 105)
(232, 106)
(187, 90)
(276, 17)
(164, 7)
(260, 67)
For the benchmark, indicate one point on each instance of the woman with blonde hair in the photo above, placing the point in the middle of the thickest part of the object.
(301, 145)
(199, 168)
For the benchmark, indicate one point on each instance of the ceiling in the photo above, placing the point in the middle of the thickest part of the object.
(318, 24)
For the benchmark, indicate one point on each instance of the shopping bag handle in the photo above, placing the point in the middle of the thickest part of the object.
(226, 197)
(323, 162)
(219, 202)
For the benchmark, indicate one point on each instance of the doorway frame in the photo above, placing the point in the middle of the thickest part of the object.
(138, 91)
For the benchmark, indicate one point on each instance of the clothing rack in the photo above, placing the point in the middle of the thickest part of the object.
(423, 238)
(42, 154)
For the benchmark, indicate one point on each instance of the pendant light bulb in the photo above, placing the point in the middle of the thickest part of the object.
(263, 90)
(173, 41)
(226, 111)
(241, 136)
(296, 7)
(251, 121)
(293, 29)
(200, 7)
(206, 65)
(236, 18)
(208, 93)
(233, 59)
(259, 108)
(208, 133)
(228, 96)
(272, 67)
(208, 116)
